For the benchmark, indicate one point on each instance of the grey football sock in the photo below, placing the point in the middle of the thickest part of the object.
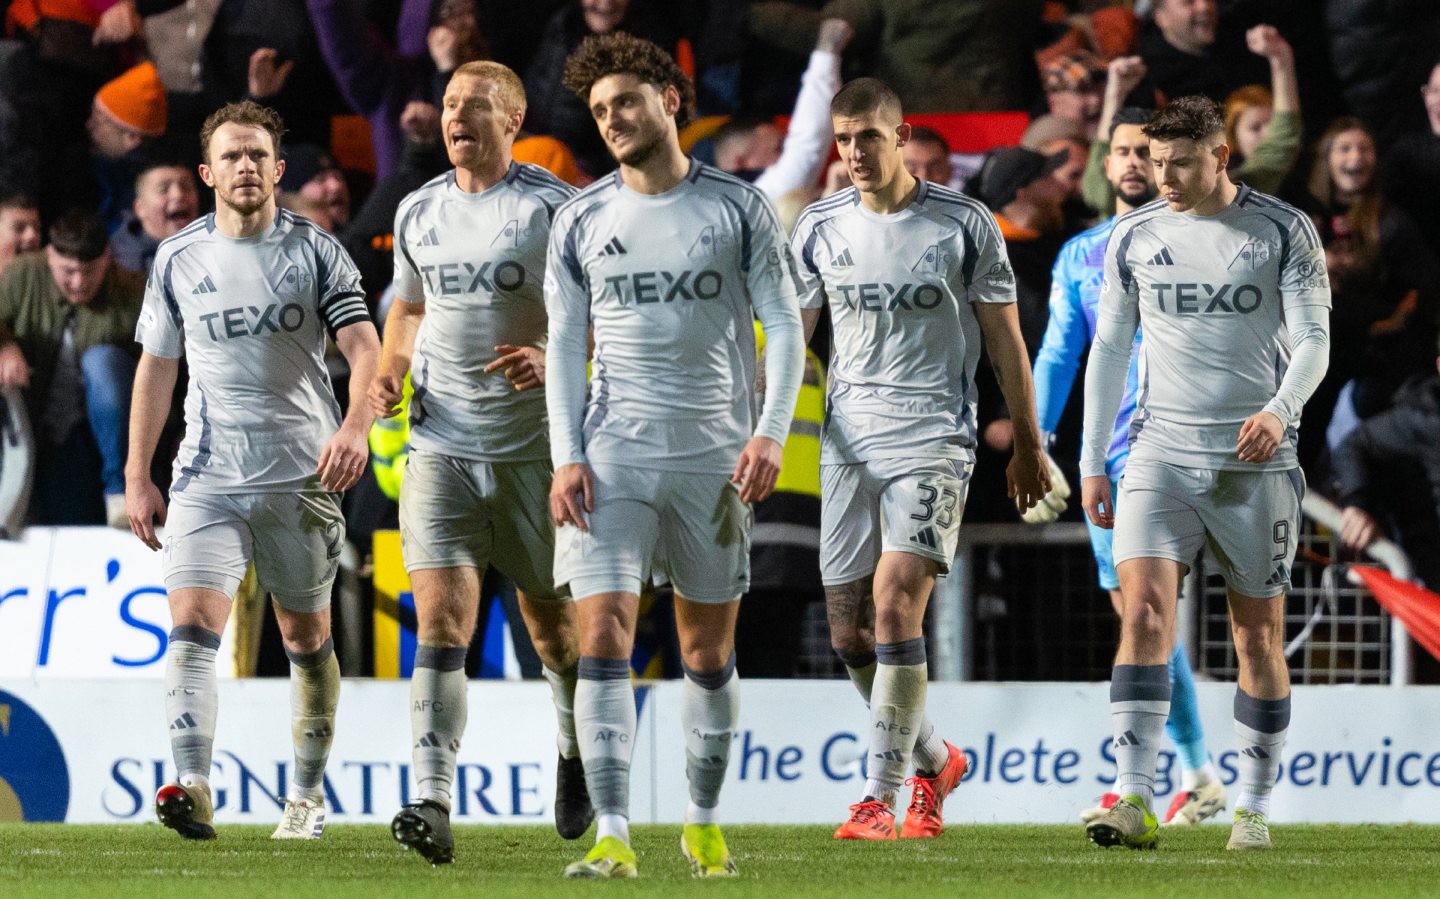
(930, 752)
(314, 694)
(605, 726)
(897, 707)
(191, 698)
(1261, 725)
(562, 692)
(1139, 705)
(437, 718)
(709, 710)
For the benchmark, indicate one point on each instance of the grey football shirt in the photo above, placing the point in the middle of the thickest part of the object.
(671, 285)
(906, 341)
(250, 316)
(477, 262)
(1215, 296)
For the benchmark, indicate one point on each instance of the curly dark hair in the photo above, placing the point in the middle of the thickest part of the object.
(247, 113)
(1196, 118)
(619, 53)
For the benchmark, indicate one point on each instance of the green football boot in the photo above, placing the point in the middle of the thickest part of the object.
(704, 848)
(1128, 823)
(610, 858)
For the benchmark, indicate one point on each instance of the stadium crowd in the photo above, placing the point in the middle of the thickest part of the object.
(1338, 113)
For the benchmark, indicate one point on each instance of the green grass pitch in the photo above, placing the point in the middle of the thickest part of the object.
(361, 861)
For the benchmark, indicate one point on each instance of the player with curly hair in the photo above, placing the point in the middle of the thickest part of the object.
(668, 261)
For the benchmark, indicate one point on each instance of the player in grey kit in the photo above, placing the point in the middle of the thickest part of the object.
(915, 275)
(1230, 288)
(669, 261)
(468, 323)
(247, 295)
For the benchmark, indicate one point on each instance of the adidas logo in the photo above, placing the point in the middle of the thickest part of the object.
(184, 722)
(430, 740)
(1256, 752)
(1279, 577)
(844, 260)
(891, 755)
(1127, 739)
(205, 286)
(613, 248)
(429, 239)
(1163, 257)
(926, 538)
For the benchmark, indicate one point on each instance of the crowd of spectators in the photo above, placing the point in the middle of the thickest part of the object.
(100, 102)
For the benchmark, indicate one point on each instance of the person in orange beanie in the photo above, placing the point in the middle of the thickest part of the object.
(126, 111)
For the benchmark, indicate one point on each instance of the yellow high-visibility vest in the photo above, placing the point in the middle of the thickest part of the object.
(390, 446)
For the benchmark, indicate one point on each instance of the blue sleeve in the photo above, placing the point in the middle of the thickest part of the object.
(1066, 338)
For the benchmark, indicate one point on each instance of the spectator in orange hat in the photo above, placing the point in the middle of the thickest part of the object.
(126, 111)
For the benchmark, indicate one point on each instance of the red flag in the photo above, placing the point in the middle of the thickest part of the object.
(1417, 608)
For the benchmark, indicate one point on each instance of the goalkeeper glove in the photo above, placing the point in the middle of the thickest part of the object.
(1054, 502)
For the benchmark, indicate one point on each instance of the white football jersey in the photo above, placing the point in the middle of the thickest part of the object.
(669, 283)
(906, 340)
(477, 263)
(1211, 295)
(250, 316)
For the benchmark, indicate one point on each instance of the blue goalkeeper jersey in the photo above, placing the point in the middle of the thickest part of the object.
(1074, 299)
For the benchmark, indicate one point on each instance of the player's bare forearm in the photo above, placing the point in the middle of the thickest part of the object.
(361, 347)
(343, 459)
(1006, 345)
(809, 319)
(1028, 473)
(149, 407)
(401, 326)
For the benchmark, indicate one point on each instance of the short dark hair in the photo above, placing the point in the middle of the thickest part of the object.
(160, 161)
(1130, 115)
(920, 134)
(17, 200)
(865, 95)
(247, 113)
(79, 234)
(618, 53)
(1194, 117)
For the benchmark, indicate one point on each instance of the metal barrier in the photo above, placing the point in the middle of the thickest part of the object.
(1388, 554)
(1027, 596)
